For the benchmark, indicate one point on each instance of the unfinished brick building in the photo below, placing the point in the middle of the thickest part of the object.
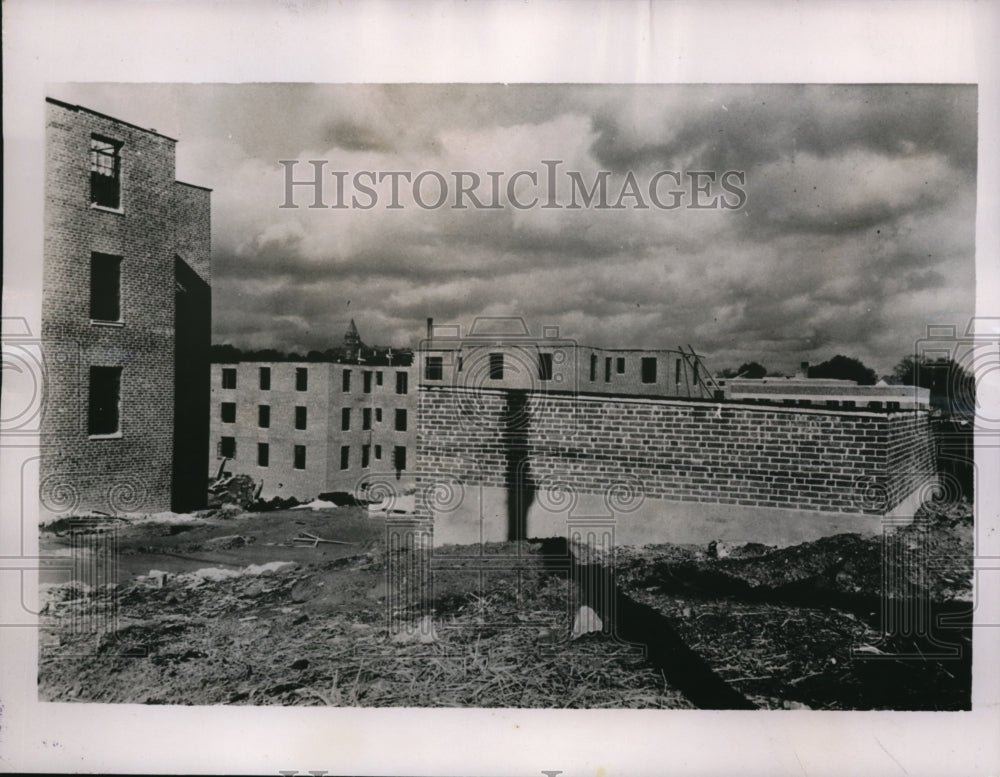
(300, 429)
(536, 437)
(126, 320)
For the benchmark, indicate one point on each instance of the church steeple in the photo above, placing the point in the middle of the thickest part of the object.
(352, 342)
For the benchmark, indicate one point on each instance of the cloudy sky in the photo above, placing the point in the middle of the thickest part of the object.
(856, 232)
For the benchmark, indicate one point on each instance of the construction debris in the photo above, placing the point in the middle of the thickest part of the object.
(304, 538)
(793, 628)
(316, 504)
(240, 490)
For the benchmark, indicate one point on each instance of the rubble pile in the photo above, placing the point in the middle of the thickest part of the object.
(239, 490)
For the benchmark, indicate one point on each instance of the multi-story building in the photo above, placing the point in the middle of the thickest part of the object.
(501, 354)
(126, 320)
(304, 428)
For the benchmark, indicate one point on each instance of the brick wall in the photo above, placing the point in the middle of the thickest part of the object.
(706, 452)
(910, 454)
(130, 471)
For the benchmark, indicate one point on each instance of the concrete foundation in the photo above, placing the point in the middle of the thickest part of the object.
(483, 516)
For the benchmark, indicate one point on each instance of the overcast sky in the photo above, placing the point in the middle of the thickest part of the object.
(856, 233)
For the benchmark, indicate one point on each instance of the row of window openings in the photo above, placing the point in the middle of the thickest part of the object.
(227, 413)
(434, 368)
(302, 379)
(104, 411)
(227, 450)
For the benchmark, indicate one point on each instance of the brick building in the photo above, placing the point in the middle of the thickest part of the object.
(522, 437)
(304, 428)
(500, 353)
(126, 320)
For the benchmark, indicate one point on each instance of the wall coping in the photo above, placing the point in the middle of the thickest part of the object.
(687, 402)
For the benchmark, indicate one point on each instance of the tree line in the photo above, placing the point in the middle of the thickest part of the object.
(951, 386)
(377, 355)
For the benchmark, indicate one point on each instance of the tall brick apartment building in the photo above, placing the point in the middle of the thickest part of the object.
(126, 320)
(304, 428)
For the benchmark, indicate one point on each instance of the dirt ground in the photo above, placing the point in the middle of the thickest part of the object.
(235, 612)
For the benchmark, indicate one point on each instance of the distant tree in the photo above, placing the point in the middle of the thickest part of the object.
(844, 368)
(745, 370)
(752, 370)
(271, 354)
(950, 384)
(372, 356)
(225, 354)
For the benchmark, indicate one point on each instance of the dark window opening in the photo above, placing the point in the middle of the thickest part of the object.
(892, 405)
(227, 447)
(620, 365)
(345, 456)
(593, 367)
(105, 287)
(378, 378)
(607, 369)
(378, 415)
(434, 367)
(695, 371)
(105, 398)
(227, 412)
(400, 420)
(496, 366)
(649, 369)
(399, 457)
(228, 378)
(264, 416)
(105, 172)
(300, 457)
(402, 386)
(300, 417)
(367, 381)
(263, 454)
(366, 452)
(301, 378)
(677, 372)
(378, 452)
(265, 378)
(366, 418)
(545, 366)
(345, 419)
(346, 381)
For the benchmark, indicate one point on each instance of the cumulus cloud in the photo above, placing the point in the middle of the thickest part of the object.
(857, 230)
